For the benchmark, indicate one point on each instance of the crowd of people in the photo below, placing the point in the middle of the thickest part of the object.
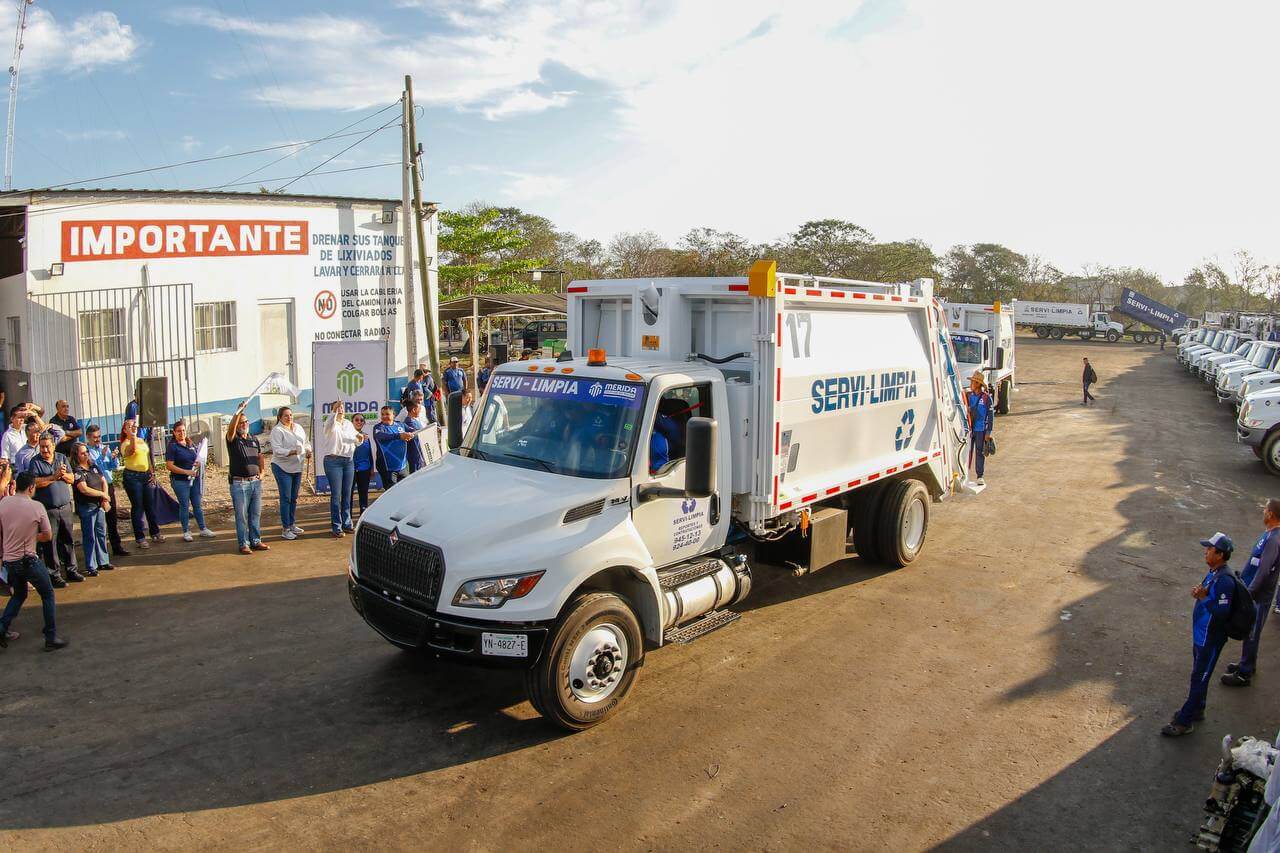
(58, 473)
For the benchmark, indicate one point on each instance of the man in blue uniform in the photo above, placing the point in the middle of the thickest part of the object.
(1260, 575)
(1209, 620)
(981, 417)
(455, 379)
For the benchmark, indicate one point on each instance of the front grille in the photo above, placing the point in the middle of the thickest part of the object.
(396, 623)
(412, 570)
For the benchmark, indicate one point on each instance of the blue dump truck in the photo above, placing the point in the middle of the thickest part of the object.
(1148, 312)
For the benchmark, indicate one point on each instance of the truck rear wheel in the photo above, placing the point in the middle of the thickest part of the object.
(1002, 397)
(1042, 331)
(903, 522)
(1056, 334)
(589, 663)
(1271, 453)
(864, 509)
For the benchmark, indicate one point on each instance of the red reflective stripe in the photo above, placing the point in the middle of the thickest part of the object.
(777, 438)
(576, 290)
(855, 483)
(779, 385)
(786, 505)
(859, 296)
(896, 298)
(833, 490)
(937, 453)
(779, 330)
(891, 470)
(907, 464)
(871, 477)
(877, 296)
(923, 459)
(737, 287)
(775, 489)
(838, 294)
(807, 498)
(790, 291)
(813, 293)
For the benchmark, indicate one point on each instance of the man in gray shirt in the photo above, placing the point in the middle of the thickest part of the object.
(53, 489)
(23, 523)
(1260, 575)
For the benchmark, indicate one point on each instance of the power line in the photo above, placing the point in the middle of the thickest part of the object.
(198, 160)
(302, 148)
(395, 120)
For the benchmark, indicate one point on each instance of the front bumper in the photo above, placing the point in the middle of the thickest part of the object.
(1252, 436)
(451, 636)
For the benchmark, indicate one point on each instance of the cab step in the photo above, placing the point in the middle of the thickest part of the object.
(705, 625)
(683, 574)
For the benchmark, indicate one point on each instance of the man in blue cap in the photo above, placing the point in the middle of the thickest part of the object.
(1209, 620)
(1260, 575)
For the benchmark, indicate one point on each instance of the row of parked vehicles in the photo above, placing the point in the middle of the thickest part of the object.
(1244, 372)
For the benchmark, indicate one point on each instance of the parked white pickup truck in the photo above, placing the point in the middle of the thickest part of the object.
(597, 508)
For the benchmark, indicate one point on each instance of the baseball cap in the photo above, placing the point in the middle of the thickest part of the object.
(453, 359)
(1221, 541)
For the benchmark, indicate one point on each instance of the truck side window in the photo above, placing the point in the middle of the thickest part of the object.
(675, 408)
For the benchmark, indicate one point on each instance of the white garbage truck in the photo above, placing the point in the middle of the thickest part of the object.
(982, 338)
(611, 501)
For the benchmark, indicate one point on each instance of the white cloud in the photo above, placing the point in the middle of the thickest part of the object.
(91, 41)
(1097, 131)
(525, 188)
(189, 144)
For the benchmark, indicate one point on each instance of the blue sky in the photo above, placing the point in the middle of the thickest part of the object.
(1090, 132)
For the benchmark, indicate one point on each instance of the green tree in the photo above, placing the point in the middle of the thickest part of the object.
(984, 272)
(482, 254)
(830, 247)
(706, 251)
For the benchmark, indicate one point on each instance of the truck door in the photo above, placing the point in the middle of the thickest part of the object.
(674, 529)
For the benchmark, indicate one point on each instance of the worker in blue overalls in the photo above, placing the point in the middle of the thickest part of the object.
(1260, 576)
(1209, 620)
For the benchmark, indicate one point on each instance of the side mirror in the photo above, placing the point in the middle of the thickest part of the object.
(453, 420)
(700, 458)
(999, 365)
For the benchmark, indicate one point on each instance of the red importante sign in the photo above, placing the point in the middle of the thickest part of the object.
(123, 239)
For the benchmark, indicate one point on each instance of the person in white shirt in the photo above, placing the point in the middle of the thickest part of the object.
(468, 409)
(289, 451)
(16, 435)
(339, 468)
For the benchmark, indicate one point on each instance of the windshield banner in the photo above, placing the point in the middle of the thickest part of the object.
(626, 394)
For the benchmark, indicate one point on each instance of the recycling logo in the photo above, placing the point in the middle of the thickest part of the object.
(906, 429)
(350, 380)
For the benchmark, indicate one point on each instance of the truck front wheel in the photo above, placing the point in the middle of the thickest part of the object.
(904, 521)
(589, 663)
(1112, 336)
(1271, 453)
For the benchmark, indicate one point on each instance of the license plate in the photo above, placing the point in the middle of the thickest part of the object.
(504, 645)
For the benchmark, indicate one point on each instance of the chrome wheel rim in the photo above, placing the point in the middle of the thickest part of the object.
(598, 663)
(913, 525)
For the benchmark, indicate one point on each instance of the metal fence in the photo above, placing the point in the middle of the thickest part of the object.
(90, 347)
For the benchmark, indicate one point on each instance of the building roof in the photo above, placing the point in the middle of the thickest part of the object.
(34, 195)
(503, 304)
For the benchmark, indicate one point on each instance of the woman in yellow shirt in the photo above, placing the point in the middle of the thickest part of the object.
(136, 456)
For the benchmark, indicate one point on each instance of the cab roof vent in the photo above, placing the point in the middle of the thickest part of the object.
(578, 513)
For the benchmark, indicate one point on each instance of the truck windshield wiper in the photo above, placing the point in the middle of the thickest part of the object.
(541, 462)
(475, 453)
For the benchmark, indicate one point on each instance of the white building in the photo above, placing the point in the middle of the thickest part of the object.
(213, 290)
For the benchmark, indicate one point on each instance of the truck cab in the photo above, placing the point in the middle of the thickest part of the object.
(1258, 426)
(1242, 354)
(983, 339)
(1101, 324)
(1232, 377)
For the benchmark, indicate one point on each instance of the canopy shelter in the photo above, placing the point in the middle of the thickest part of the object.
(497, 305)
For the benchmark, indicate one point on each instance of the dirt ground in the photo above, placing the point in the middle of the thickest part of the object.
(1004, 692)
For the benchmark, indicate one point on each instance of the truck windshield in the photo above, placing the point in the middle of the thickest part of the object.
(968, 349)
(580, 427)
(1243, 349)
(1262, 357)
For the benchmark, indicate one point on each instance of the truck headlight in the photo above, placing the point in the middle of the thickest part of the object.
(494, 592)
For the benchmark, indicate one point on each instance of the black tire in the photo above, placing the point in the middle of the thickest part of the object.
(903, 523)
(1042, 332)
(1003, 393)
(548, 682)
(1271, 453)
(1112, 336)
(1086, 334)
(863, 512)
(1056, 334)
(1257, 451)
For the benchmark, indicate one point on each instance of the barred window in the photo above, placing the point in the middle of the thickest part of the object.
(15, 343)
(102, 335)
(215, 325)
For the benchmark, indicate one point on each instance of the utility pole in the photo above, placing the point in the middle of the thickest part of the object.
(14, 68)
(406, 229)
(428, 305)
